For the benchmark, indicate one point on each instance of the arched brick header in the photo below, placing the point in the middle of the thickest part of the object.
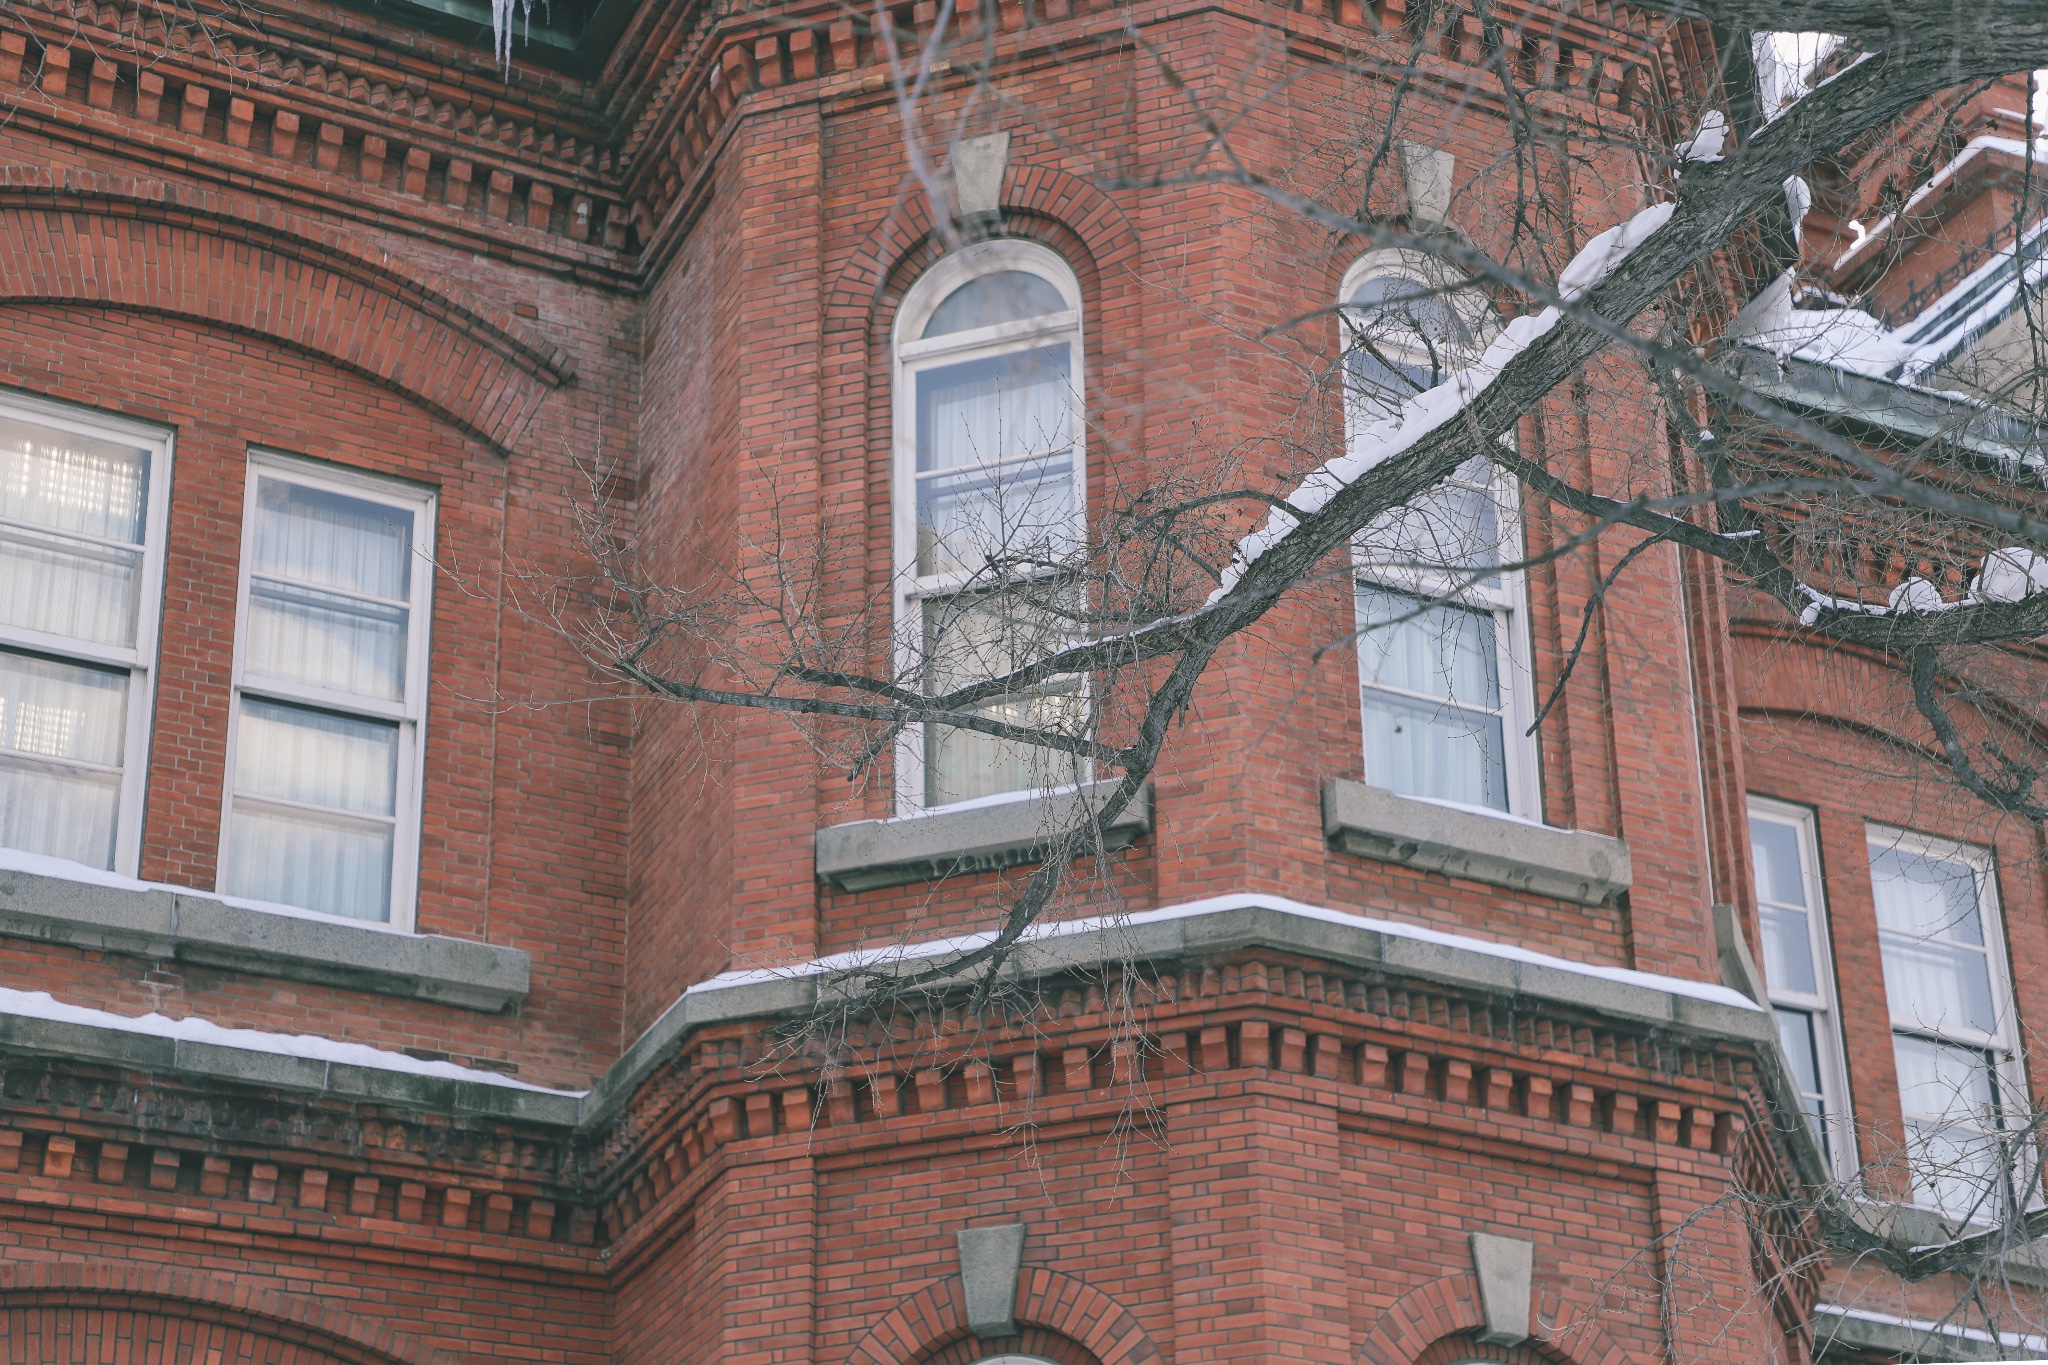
(1059, 1303)
(1042, 191)
(1449, 1307)
(118, 1286)
(118, 242)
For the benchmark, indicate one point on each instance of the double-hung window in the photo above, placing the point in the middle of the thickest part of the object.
(1792, 912)
(83, 502)
(989, 500)
(1442, 653)
(1953, 1035)
(323, 802)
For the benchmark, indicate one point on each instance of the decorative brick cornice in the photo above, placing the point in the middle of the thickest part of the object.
(157, 247)
(176, 1293)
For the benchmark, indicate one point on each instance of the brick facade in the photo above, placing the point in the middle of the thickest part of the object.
(340, 237)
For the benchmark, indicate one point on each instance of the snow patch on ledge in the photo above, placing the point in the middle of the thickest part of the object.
(41, 1005)
(1926, 1327)
(1045, 932)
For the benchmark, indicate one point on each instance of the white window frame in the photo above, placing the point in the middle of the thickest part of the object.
(141, 659)
(2008, 1072)
(1823, 1006)
(910, 355)
(410, 712)
(1508, 600)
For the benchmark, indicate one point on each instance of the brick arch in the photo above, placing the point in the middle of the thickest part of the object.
(1042, 192)
(935, 1317)
(1435, 1321)
(84, 239)
(288, 1329)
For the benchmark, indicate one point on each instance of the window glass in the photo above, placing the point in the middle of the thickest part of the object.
(1792, 915)
(1951, 1042)
(304, 781)
(989, 506)
(1949, 1098)
(327, 590)
(322, 796)
(71, 531)
(1936, 972)
(1781, 906)
(76, 647)
(1432, 699)
(62, 728)
(989, 300)
(995, 468)
(1441, 665)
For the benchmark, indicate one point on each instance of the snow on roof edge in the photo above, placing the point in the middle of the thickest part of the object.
(1046, 932)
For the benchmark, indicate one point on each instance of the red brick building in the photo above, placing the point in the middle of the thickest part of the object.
(378, 988)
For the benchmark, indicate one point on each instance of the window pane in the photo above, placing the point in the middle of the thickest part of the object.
(1788, 950)
(330, 540)
(62, 482)
(313, 858)
(292, 754)
(983, 411)
(1949, 1096)
(1437, 651)
(982, 636)
(1937, 974)
(1774, 850)
(1923, 896)
(1454, 525)
(62, 729)
(1000, 296)
(1938, 986)
(61, 710)
(305, 636)
(1441, 743)
(1435, 751)
(1797, 1037)
(1018, 515)
(334, 866)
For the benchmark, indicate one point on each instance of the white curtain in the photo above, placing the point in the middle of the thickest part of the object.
(330, 849)
(71, 508)
(318, 556)
(294, 859)
(995, 469)
(61, 733)
(1937, 973)
(1431, 700)
(1950, 1101)
(969, 637)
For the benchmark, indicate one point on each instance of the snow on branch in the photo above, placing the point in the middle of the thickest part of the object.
(1433, 408)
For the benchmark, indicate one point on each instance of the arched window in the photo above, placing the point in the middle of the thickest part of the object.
(1442, 656)
(989, 508)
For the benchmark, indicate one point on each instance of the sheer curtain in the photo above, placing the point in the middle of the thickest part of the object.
(970, 636)
(71, 525)
(72, 511)
(1938, 982)
(1432, 699)
(315, 801)
(298, 775)
(997, 509)
(995, 475)
(61, 732)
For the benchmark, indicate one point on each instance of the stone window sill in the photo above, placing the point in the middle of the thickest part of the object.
(167, 924)
(1569, 864)
(866, 854)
